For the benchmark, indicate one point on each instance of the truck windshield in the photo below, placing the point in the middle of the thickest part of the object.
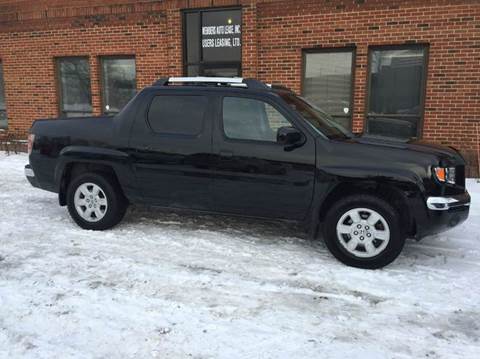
(317, 118)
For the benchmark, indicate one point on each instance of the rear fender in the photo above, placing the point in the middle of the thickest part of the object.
(118, 161)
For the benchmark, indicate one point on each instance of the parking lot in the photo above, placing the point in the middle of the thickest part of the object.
(170, 285)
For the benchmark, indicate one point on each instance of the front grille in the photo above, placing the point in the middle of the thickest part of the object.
(460, 175)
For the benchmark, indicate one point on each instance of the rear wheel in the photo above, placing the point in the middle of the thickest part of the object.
(95, 201)
(364, 231)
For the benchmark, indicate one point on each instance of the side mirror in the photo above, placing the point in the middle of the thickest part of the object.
(288, 136)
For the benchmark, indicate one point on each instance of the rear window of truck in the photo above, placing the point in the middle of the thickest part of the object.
(180, 115)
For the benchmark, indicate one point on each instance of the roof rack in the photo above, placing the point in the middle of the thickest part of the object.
(213, 81)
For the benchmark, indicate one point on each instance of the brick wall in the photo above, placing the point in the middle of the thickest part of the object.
(450, 28)
(34, 33)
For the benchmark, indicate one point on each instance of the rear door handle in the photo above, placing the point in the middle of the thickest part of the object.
(226, 154)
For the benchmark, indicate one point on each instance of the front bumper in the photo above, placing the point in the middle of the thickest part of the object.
(443, 213)
(30, 174)
(447, 203)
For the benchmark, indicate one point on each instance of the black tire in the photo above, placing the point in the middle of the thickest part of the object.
(117, 203)
(389, 213)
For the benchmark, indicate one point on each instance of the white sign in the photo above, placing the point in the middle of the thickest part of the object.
(221, 36)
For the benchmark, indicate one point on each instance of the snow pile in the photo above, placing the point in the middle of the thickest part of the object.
(165, 285)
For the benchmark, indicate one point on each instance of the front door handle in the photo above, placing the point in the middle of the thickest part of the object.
(226, 154)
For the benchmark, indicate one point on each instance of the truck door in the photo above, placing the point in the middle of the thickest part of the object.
(172, 142)
(255, 175)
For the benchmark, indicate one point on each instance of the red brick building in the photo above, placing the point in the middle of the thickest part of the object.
(406, 68)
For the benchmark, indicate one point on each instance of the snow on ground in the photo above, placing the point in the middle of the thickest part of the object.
(163, 285)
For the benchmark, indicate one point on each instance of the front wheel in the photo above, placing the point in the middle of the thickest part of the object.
(95, 201)
(364, 231)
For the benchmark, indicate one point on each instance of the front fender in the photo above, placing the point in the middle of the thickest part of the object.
(400, 176)
(336, 181)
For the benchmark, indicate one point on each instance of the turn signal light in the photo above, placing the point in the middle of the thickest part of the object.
(441, 174)
(445, 174)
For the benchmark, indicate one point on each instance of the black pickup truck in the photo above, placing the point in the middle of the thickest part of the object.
(241, 147)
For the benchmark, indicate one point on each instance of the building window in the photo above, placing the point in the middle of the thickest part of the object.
(177, 115)
(250, 119)
(327, 82)
(396, 91)
(118, 82)
(212, 42)
(3, 108)
(74, 83)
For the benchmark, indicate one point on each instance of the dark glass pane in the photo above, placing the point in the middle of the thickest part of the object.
(76, 114)
(396, 81)
(248, 119)
(2, 89)
(3, 112)
(393, 127)
(221, 35)
(213, 43)
(119, 83)
(3, 119)
(193, 70)
(316, 117)
(222, 71)
(328, 82)
(74, 77)
(344, 121)
(192, 27)
(177, 114)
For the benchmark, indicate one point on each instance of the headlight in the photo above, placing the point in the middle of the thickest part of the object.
(445, 175)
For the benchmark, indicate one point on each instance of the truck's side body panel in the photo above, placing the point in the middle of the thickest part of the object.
(261, 178)
(211, 172)
(173, 170)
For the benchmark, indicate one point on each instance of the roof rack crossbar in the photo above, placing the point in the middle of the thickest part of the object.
(202, 79)
(219, 81)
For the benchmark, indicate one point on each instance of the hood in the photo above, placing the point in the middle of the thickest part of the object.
(445, 154)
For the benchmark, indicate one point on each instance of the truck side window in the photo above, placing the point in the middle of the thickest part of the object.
(180, 115)
(250, 119)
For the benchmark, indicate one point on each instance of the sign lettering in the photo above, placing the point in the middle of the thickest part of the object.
(221, 36)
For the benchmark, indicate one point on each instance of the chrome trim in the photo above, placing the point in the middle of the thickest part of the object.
(223, 80)
(446, 203)
(29, 172)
